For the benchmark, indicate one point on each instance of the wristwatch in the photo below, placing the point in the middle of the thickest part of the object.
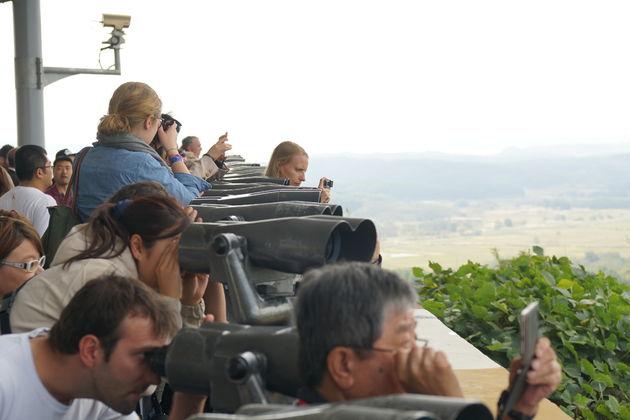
(513, 414)
(517, 415)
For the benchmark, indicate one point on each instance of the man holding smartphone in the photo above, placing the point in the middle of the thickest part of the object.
(357, 340)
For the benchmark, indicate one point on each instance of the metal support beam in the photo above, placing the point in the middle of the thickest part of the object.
(28, 72)
(31, 76)
(52, 74)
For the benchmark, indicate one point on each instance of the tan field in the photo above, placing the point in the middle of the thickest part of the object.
(570, 233)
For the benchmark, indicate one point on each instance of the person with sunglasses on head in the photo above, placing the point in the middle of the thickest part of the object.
(35, 173)
(21, 252)
(123, 155)
(135, 238)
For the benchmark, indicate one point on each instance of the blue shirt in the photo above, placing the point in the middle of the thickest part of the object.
(105, 170)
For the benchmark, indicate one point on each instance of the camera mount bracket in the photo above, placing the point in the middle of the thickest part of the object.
(228, 264)
(52, 74)
(245, 371)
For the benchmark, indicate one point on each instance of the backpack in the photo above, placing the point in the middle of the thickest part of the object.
(63, 218)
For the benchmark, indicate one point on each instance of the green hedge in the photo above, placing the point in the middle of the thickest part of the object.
(585, 315)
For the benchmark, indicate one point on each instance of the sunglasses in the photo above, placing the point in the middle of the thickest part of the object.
(29, 266)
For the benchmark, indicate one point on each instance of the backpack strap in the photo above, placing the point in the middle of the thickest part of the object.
(74, 180)
(5, 310)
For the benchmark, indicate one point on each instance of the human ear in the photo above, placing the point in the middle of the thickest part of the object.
(341, 365)
(90, 351)
(136, 246)
(148, 122)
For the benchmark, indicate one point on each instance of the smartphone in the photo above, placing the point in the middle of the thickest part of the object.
(529, 337)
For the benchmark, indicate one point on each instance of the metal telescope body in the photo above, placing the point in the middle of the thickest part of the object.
(312, 195)
(218, 190)
(264, 211)
(250, 367)
(242, 254)
(243, 368)
(243, 178)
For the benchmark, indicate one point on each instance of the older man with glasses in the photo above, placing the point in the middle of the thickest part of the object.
(35, 173)
(357, 337)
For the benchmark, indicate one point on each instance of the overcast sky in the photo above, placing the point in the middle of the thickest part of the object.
(345, 76)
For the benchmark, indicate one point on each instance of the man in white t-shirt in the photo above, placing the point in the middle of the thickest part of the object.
(35, 173)
(93, 363)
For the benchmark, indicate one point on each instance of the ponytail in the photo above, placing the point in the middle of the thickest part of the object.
(114, 123)
(111, 226)
(131, 104)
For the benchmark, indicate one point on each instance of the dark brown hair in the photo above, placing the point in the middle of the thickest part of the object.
(281, 155)
(153, 217)
(102, 304)
(14, 229)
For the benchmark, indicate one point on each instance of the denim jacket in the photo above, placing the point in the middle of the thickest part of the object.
(105, 170)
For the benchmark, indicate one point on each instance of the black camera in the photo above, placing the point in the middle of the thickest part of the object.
(328, 183)
(167, 121)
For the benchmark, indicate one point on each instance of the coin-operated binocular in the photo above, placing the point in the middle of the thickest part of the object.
(249, 178)
(244, 368)
(241, 254)
(229, 189)
(272, 196)
(218, 212)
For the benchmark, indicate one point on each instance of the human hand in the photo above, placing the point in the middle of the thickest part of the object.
(167, 271)
(185, 405)
(542, 379)
(217, 151)
(168, 138)
(325, 197)
(193, 288)
(376, 255)
(422, 370)
(192, 214)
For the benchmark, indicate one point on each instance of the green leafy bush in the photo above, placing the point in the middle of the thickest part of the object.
(585, 315)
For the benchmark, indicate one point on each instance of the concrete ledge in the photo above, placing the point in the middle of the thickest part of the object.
(480, 377)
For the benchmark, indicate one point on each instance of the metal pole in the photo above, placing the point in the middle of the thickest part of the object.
(28, 72)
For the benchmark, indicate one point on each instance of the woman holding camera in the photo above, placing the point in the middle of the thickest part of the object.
(290, 160)
(135, 238)
(122, 154)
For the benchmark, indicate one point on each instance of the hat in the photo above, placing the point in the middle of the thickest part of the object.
(64, 153)
(62, 159)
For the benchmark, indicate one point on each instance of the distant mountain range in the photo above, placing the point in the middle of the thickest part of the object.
(574, 176)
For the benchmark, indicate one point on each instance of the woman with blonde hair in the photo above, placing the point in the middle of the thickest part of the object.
(290, 160)
(21, 251)
(122, 154)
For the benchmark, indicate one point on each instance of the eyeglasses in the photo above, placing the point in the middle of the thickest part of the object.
(420, 342)
(29, 266)
(47, 166)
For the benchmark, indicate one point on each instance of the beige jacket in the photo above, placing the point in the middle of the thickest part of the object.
(204, 167)
(41, 300)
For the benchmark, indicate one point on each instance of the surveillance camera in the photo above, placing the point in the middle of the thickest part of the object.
(116, 21)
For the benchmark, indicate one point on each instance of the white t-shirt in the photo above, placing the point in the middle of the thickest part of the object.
(23, 396)
(30, 203)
